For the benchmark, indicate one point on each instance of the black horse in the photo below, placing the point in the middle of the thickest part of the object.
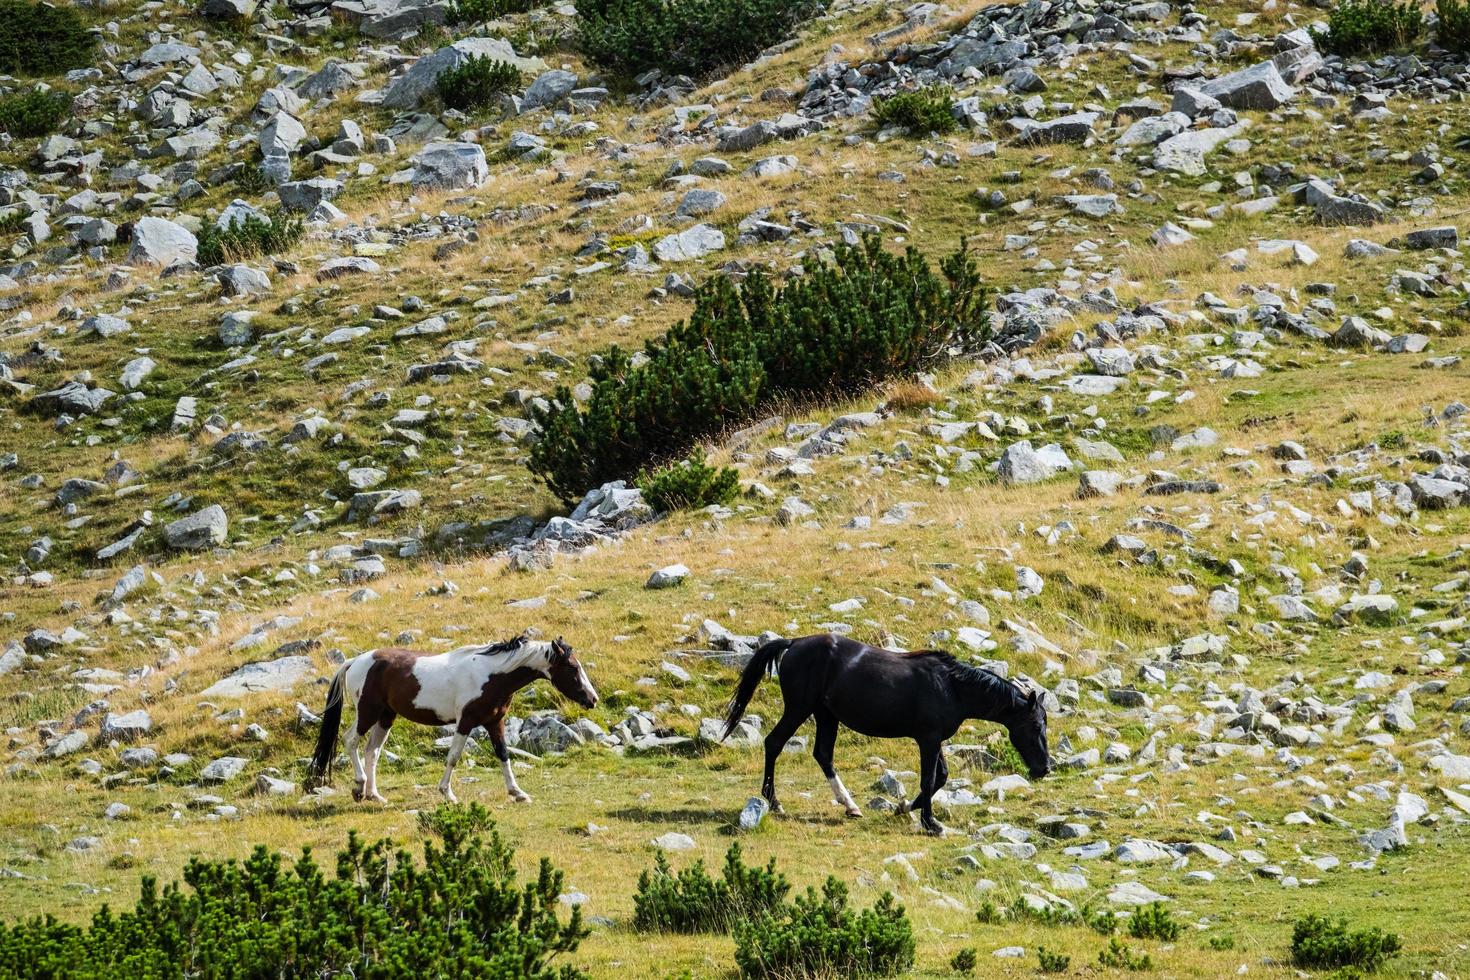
(924, 696)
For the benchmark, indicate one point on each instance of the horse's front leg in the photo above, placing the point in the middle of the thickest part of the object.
(497, 741)
(456, 749)
(930, 759)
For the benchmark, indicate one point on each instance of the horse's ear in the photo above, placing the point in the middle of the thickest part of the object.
(1033, 698)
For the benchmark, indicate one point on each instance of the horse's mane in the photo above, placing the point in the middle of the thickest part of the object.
(963, 673)
(504, 646)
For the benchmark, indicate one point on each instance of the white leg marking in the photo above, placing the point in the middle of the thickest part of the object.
(511, 786)
(375, 741)
(843, 797)
(456, 748)
(352, 745)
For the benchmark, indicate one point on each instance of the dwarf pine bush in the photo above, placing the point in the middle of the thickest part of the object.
(1153, 921)
(33, 113)
(42, 39)
(247, 237)
(692, 901)
(1318, 942)
(685, 37)
(379, 915)
(1363, 26)
(1453, 30)
(921, 111)
(477, 11)
(868, 315)
(820, 936)
(689, 485)
(476, 83)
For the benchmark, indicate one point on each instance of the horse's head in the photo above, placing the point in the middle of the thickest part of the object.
(1027, 727)
(567, 676)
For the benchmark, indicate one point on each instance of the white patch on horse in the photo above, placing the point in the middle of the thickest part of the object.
(449, 681)
(841, 796)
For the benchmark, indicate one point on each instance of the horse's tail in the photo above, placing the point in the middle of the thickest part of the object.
(319, 773)
(764, 662)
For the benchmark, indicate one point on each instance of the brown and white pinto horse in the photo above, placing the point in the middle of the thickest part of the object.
(468, 687)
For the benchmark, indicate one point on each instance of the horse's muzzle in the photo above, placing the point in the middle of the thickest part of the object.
(1041, 773)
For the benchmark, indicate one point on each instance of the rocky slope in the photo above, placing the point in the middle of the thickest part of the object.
(1209, 486)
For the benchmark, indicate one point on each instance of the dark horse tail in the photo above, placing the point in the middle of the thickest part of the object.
(764, 662)
(320, 771)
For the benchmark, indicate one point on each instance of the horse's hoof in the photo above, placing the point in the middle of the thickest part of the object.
(934, 829)
(357, 794)
(520, 797)
(854, 812)
(378, 798)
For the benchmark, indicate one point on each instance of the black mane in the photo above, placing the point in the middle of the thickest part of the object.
(504, 646)
(963, 673)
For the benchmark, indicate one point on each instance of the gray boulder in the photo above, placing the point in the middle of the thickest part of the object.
(157, 241)
(304, 195)
(692, 243)
(450, 166)
(201, 529)
(1257, 87)
(550, 88)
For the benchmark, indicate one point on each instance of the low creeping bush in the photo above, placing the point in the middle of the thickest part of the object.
(1049, 962)
(248, 237)
(478, 11)
(689, 485)
(476, 83)
(1318, 942)
(380, 915)
(921, 111)
(1119, 957)
(1153, 921)
(33, 113)
(819, 936)
(43, 39)
(1363, 26)
(866, 316)
(685, 37)
(692, 901)
(1453, 30)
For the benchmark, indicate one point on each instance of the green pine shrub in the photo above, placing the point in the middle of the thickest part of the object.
(1119, 957)
(868, 315)
(921, 111)
(1365, 26)
(247, 238)
(378, 915)
(689, 485)
(963, 962)
(1318, 942)
(1453, 31)
(1049, 962)
(988, 915)
(685, 37)
(692, 901)
(476, 83)
(38, 39)
(820, 936)
(1153, 921)
(479, 11)
(33, 113)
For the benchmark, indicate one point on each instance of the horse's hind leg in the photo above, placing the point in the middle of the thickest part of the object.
(822, 747)
(352, 744)
(775, 742)
(375, 741)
